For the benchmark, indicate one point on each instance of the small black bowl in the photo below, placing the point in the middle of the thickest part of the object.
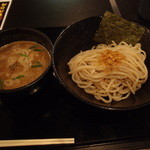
(25, 34)
(79, 37)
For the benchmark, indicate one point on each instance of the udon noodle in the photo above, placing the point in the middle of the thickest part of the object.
(110, 72)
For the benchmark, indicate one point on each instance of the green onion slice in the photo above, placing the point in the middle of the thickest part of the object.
(34, 46)
(36, 64)
(37, 49)
(23, 55)
(18, 77)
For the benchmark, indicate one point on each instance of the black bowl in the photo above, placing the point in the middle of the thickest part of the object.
(79, 37)
(25, 34)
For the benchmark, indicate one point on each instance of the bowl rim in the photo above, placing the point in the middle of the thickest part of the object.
(73, 93)
(49, 51)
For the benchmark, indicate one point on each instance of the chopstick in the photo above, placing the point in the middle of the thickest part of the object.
(115, 7)
(34, 142)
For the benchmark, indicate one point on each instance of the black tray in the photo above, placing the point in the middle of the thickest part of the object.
(52, 112)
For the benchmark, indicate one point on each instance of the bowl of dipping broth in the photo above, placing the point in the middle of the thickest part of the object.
(25, 58)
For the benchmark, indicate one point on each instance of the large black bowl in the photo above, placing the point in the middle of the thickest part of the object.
(79, 37)
(25, 34)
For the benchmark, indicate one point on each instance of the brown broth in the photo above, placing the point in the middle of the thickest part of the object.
(21, 63)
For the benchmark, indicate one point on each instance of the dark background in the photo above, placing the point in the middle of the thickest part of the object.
(58, 13)
(53, 13)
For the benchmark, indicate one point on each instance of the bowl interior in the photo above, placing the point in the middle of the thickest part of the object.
(25, 34)
(79, 37)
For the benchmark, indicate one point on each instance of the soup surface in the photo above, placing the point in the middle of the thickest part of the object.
(21, 63)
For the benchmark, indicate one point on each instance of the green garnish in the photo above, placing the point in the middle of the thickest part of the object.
(37, 49)
(35, 46)
(36, 64)
(18, 77)
(1, 84)
(23, 55)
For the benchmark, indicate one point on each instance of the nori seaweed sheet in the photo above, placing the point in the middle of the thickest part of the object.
(115, 28)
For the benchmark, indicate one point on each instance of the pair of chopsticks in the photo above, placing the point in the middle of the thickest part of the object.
(36, 142)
